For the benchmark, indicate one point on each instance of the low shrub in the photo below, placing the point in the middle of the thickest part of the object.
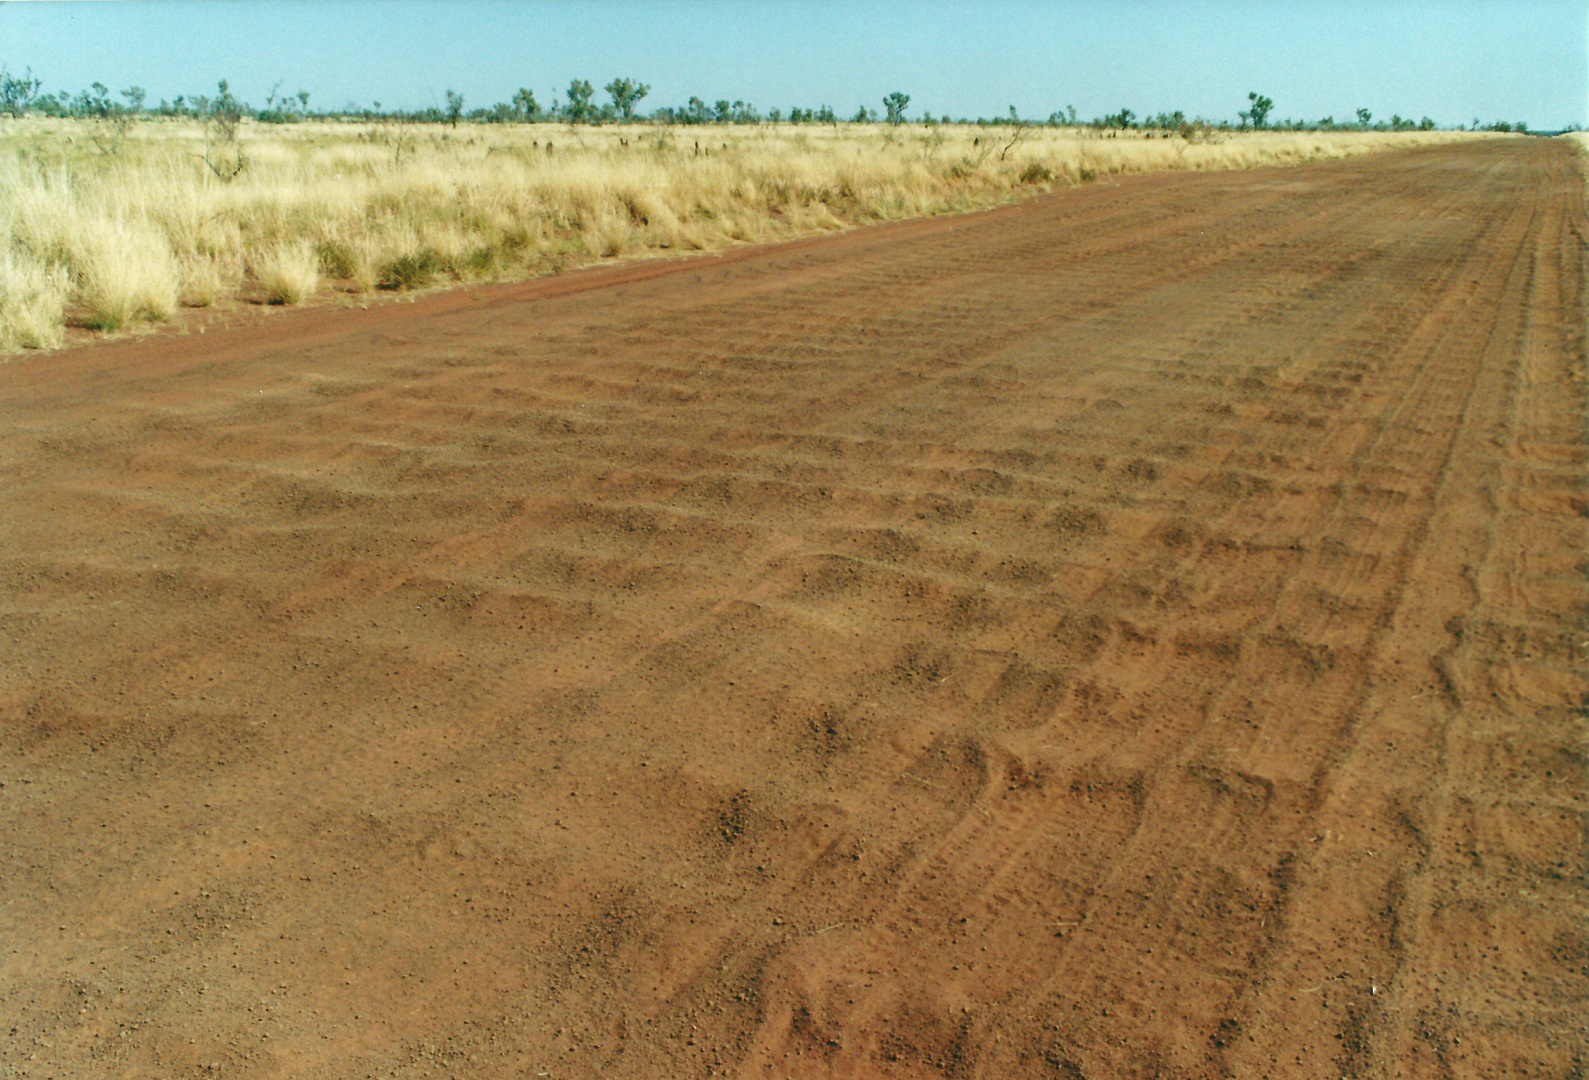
(411, 271)
(337, 260)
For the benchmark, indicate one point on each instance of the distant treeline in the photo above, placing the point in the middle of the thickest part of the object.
(22, 94)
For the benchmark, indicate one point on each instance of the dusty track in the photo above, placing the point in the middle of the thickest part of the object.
(1139, 632)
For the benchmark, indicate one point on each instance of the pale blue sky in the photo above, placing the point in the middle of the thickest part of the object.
(1452, 60)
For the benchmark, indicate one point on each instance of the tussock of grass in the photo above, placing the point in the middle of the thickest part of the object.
(288, 271)
(124, 272)
(136, 230)
(204, 281)
(32, 301)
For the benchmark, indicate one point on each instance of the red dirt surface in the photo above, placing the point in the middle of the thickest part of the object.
(1137, 632)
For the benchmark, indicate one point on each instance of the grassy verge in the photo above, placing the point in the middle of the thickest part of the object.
(105, 234)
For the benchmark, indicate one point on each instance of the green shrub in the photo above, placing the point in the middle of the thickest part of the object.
(485, 261)
(411, 271)
(336, 260)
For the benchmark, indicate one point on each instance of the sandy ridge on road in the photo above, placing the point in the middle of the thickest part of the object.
(1135, 632)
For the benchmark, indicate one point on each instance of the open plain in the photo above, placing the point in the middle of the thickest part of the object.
(1136, 632)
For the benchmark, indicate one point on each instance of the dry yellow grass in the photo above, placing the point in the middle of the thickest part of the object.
(110, 239)
(32, 298)
(288, 271)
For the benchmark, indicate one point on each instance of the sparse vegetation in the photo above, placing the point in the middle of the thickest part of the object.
(198, 210)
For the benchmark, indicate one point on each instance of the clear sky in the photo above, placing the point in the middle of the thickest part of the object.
(1452, 60)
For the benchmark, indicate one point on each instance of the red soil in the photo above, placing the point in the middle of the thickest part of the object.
(1137, 632)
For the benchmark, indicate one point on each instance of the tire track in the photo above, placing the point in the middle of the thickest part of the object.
(1132, 632)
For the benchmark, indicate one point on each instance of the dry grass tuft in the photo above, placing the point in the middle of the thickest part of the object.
(135, 231)
(206, 281)
(32, 303)
(124, 272)
(288, 272)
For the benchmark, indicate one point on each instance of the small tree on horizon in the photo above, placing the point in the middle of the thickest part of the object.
(17, 92)
(895, 104)
(1259, 113)
(222, 117)
(579, 94)
(1363, 117)
(626, 94)
(454, 107)
(1121, 119)
(525, 106)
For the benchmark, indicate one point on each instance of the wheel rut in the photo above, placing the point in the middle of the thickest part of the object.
(1136, 632)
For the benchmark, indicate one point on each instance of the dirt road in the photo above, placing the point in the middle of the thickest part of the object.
(1138, 632)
